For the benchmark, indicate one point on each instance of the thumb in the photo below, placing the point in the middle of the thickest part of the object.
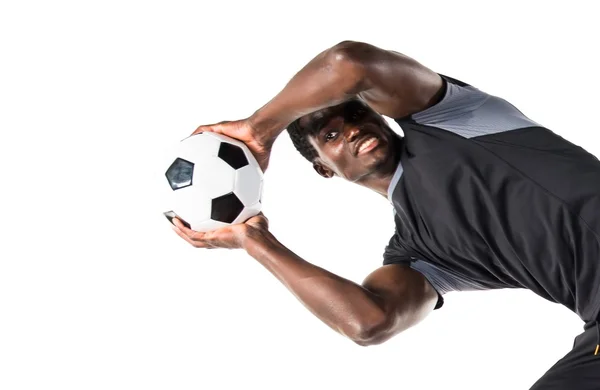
(259, 220)
(215, 128)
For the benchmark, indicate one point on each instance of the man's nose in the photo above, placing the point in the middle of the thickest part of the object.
(351, 134)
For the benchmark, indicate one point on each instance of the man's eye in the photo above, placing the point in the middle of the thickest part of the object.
(330, 135)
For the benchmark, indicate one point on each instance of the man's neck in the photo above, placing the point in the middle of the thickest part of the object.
(380, 182)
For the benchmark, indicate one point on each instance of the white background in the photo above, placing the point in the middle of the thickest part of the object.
(97, 292)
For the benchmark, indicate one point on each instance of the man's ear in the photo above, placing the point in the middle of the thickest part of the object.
(323, 170)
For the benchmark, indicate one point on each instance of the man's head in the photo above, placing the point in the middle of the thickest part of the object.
(349, 140)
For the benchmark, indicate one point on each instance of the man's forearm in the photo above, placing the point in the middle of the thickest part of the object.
(332, 77)
(345, 306)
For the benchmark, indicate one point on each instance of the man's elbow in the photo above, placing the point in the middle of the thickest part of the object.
(383, 330)
(348, 58)
(348, 53)
(372, 336)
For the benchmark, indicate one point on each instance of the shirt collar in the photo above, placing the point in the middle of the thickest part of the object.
(394, 181)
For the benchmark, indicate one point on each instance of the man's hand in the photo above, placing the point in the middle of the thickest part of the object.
(244, 131)
(230, 237)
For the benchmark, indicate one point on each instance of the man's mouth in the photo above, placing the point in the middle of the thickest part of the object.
(365, 144)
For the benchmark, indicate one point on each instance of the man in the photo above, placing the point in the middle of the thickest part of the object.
(484, 198)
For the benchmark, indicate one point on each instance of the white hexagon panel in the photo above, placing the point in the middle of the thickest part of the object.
(249, 183)
(198, 145)
(214, 181)
(215, 177)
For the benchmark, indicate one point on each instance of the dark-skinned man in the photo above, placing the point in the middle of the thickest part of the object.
(483, 198)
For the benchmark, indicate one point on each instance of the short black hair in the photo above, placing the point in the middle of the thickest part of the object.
(351, 110)
(299, 137)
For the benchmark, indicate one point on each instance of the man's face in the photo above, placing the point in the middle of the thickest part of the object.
(353, 141)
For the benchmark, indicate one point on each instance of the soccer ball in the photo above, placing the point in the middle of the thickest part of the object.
(214, 181)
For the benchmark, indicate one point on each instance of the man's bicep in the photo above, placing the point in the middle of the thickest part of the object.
(395, 253)
(405, 294)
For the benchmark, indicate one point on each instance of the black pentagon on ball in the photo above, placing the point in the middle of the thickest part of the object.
(179, 174)
(226, 208)
(232, 155)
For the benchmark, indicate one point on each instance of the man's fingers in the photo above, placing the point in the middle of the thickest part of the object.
(215, 128)
(202, 129)
(191, 241)
(195, 238)
(177, 222)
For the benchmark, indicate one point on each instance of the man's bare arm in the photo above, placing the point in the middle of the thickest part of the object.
(391, 299)
(393, 84)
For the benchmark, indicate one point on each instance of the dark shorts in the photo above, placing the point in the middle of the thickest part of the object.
(580, 368)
